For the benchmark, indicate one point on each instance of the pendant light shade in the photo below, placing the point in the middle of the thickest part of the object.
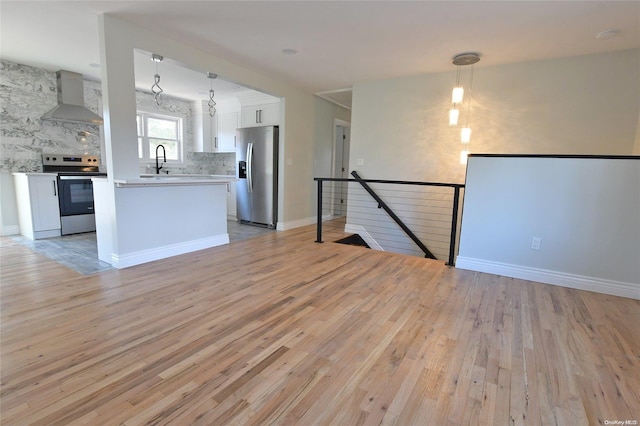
(156, 90)
(454, 114)
(457, 94)
(212, 104)
(465, 135)
(464, 154)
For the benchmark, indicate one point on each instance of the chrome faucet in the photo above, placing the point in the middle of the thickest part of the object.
(164, 158)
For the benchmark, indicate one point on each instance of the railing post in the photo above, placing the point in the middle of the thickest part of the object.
(454, 226)
(319, 220)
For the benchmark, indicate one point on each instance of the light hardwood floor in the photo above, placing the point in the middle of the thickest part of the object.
(281, 330)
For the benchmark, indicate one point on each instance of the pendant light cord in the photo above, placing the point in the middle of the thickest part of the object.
(469, 97)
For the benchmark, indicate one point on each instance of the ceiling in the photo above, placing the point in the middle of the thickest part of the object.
(323, 47)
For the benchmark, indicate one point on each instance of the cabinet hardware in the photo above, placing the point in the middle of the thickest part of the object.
(55, 189)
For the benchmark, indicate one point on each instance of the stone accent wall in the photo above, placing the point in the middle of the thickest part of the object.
(26, 93)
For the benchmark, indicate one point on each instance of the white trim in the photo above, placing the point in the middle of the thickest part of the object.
(598, 285)
(163, 115)
(10, 230)
(149, 255)
(347, 125)
(358, 229)
(323, 95)
(312, 220)
(285, 226)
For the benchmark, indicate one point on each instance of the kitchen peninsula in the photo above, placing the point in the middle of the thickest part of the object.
(154, 218)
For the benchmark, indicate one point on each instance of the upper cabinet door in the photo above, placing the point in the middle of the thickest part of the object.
(261, 115)
(227, 125)
(205, 129)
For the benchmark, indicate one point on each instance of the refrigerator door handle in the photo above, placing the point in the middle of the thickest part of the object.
(250, 167)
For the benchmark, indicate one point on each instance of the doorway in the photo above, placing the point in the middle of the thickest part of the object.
(341, 145)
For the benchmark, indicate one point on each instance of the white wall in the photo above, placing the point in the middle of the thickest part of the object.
(28, 92)
(636, 147)
(8, 207)
(580, 105)
(586, 211)
(323, 156)
(118, 40)
(298, 137)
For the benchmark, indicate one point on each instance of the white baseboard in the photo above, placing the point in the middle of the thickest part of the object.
(10, 230)
(579, 282)
(360, 230)
(312, 220)
(285, 226)
(144, 256)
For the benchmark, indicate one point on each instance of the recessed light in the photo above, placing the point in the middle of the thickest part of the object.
(289, 51)
(94, 65)
(607, 34)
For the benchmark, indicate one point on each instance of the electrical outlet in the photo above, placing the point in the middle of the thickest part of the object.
(535, 243)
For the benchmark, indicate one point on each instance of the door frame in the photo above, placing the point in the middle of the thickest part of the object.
(334, 154)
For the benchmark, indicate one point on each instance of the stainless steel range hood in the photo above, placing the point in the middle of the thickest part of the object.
(71, 101)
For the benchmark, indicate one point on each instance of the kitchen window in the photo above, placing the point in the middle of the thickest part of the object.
(159, 129)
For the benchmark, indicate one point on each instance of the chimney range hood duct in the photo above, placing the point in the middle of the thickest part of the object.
(71, 101)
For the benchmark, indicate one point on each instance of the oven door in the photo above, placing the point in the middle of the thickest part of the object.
(75, 194)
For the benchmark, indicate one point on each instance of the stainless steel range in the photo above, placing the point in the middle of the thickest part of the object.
(75, 189)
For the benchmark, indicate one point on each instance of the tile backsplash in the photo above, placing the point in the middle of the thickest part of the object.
(26, 93)
(200, 163)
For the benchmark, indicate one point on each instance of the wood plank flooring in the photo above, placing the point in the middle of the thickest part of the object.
(281, 330)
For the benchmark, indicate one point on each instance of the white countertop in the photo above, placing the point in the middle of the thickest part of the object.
(38, 174)
(174, 180)
(190, 175)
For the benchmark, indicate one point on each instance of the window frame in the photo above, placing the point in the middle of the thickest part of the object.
(143, 140)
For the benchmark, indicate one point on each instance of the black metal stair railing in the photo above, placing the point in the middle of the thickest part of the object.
(364, 183)
(396, 219)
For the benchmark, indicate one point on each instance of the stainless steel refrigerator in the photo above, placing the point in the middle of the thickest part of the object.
(257, 173)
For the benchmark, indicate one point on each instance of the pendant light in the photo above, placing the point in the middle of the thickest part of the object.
(454, 115)
(211, 103)
(457, 97)
(156, 90)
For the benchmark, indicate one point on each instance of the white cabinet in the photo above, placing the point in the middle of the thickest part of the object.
(38, 208)
(227, 125)
(205, 128)
(210, 139)
(231, 200)
(261, 115)
(217, 133)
